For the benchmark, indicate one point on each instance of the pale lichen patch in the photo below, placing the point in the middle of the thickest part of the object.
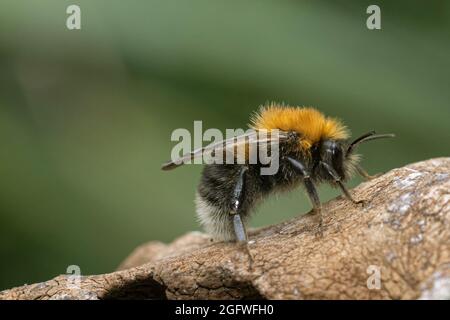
(408, 181)
(439, 288)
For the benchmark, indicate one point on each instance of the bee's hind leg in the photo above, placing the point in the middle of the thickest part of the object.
(236, 205)
(239, 228)
(310, 189)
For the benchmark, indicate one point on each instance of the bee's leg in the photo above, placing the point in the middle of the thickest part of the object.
(363, 173)
(239, 228)
(237, 199)
(310, 188)
(337, 179)
(238, 224)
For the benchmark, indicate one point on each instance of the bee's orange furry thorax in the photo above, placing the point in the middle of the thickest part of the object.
(311, 124)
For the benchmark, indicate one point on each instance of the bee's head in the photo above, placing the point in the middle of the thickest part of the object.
(332, 154)
(336, 158)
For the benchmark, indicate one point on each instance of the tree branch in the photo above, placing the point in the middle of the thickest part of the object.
(402, 232)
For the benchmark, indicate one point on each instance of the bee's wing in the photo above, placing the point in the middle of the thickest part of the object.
(251, 138)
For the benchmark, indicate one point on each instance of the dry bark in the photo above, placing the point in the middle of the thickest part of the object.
(403, 229)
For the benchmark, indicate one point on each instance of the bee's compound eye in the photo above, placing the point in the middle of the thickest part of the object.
(327, 147)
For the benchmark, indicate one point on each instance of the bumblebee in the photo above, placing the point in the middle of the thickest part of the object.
(312, 148)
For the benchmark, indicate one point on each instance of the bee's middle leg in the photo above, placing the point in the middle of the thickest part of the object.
(310, 188)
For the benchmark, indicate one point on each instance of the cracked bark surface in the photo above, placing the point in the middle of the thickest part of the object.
(403, 230)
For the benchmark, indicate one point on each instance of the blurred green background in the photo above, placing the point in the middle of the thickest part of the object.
(86, 116)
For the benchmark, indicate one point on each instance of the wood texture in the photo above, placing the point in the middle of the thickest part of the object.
(402, 231)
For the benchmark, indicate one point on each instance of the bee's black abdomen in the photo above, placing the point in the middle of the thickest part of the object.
(214, 198)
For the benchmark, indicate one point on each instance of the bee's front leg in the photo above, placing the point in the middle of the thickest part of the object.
(363, 173)
(337, 179)
(236, 204)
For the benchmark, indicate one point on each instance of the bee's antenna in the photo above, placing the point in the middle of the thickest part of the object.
(367, 137)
